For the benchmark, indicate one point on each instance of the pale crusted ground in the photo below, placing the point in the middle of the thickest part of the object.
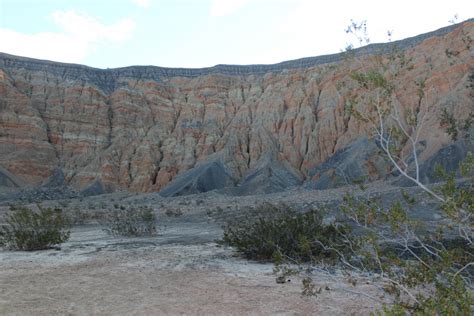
(180, 271)
(94, 274)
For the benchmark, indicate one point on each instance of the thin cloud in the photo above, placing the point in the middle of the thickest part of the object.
(79, 36)
(142, 3)
(226, 7)
(311, 29)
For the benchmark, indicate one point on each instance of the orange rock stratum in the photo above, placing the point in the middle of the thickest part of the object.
(139, 128)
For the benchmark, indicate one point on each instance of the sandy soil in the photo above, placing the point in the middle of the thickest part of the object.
(179, 272)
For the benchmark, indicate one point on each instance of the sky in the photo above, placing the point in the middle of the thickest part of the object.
(202, 33)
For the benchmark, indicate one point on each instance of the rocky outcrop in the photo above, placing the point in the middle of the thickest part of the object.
(140, 128)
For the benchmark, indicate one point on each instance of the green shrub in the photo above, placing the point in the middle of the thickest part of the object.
(173, 212)
(79, 216)
(277, 232)
(26, 229)
(433, 273)
(131, 222)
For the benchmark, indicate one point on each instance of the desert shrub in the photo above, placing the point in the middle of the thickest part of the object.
(277, 232)
(131, 222)
(171, 212)
(78, 216)
(216, 214)
(433, 272)
(64, 203)
(26, 229)
(426, 270)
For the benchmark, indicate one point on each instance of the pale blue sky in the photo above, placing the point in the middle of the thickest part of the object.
(199, 33)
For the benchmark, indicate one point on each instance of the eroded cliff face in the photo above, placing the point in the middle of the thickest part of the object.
(137, 128)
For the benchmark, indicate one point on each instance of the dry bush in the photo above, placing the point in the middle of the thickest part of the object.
(273, 232)
(26, 229)
(131, 222)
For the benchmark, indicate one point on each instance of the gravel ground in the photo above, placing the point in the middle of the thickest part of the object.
(179, 271)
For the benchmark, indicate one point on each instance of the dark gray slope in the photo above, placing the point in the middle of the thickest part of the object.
(448, 158)
(202, 178)
(268, 176)
(357, 162)
(54, 188)
(9, 180)
(95, 188)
